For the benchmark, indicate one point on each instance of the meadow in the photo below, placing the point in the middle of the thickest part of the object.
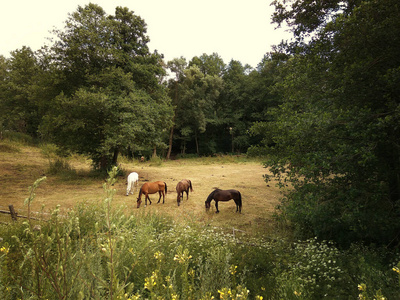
(95, 244)
(74, 182)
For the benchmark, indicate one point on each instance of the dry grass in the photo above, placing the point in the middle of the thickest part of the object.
(20, 166)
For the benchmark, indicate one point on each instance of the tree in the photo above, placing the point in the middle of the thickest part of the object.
(18, 97)
(335, 135)
(209, 64)
(110, 99)
(177, 66)
(195, 106)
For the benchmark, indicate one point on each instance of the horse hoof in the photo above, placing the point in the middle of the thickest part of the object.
(217, 212)
(145, 205)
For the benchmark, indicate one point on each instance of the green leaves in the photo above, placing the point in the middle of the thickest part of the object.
(333, 137)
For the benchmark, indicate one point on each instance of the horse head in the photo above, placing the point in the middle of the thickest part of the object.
(138, 201)
(208, 204)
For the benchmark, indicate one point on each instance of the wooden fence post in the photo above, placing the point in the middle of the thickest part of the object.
(13, 213)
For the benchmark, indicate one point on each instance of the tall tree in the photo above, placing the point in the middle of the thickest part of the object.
(335, 135)
(196, 104)
(19, 103)
(177, 66)
(111, 96)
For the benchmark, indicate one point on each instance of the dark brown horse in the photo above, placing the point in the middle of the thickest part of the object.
(151, 188)
(183, 186)
(224, 195)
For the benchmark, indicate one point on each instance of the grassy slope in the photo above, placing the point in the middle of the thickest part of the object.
(20, 166)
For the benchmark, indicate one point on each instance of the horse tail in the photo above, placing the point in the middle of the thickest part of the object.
(240, 200)
(166, 190)
(190, 185)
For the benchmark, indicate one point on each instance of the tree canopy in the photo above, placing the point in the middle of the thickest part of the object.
(335, 135)
(110, 99)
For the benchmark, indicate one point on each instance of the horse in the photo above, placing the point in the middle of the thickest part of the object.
(224, 195)
(132, 180)
(151, 188)
(183, 186)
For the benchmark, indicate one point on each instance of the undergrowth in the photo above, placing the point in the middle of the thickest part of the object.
(100, 252)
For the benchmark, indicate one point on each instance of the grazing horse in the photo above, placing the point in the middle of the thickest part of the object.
(151, 188)
(133, 180)
(183, 186)
(224, 195)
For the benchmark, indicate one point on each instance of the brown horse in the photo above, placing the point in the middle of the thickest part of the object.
(183, 186)
(224, 195)
(151, 188)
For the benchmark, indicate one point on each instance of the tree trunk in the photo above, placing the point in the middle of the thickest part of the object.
(197, 144)
(154, 151)
(171, 134)
(115, 157)
(103, 162)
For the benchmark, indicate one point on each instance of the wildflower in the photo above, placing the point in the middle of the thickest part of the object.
(150, 282)
(191, 273)
(259, 297)
(4, 250)
(182, 257)
(232, 269)
(396, 269)
(297, 293)
(158, 255)
(362, 287)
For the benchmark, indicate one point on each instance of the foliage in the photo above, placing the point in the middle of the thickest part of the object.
(333, 137)
(110, 99)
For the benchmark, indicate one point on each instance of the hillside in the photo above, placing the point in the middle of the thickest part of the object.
(20, 166)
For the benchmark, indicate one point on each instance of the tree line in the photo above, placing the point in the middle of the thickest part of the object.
(322, 108)
(100, 91)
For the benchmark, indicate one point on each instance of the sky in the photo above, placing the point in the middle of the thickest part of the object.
(234, 29)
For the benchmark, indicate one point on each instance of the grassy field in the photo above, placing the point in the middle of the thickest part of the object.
(21, 165)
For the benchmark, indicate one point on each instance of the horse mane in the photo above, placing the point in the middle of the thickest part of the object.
(211, 196)
(140, 192)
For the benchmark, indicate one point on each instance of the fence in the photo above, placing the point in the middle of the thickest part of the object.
(14, 214)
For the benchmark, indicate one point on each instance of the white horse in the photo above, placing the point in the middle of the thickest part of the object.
(133, 180)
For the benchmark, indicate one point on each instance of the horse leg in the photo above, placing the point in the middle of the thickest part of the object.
(216, 206)
(159, 192)
(187, 194)
(163, 197)
(237, 205)
(128, 189)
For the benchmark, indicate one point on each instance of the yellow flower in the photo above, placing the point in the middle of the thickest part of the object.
(362, 287)
(396, 269)
(232, 270)
(158, 255)
(4, 250)
(297, 293)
